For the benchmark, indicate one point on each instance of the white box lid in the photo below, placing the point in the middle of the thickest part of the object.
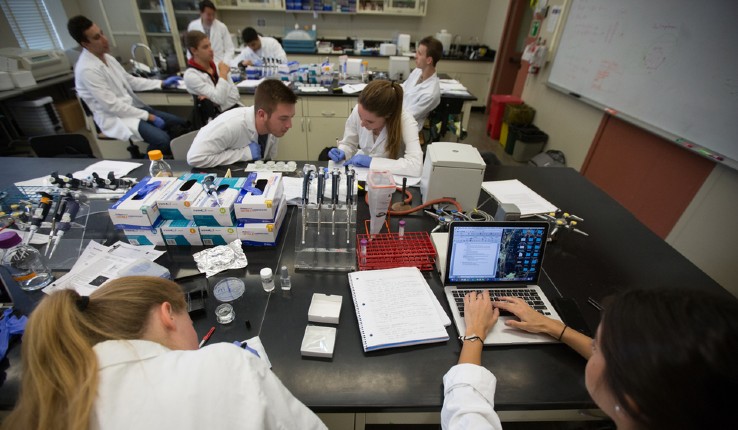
(450, 154)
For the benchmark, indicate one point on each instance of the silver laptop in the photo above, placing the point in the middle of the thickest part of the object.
(504, 258)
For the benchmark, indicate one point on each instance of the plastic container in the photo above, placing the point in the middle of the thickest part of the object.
(445, 38)
(267, 279)
(24, 262)
(159, 167)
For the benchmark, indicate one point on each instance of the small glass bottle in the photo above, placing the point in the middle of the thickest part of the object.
(24, 262)
(267, 279)
(362, 250)
(285, 283)
(158, 167)
(401, 229)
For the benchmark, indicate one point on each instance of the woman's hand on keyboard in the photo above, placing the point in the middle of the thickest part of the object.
(530, 320)
(479, 314)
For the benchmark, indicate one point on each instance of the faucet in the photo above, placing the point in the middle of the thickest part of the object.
(134, 48)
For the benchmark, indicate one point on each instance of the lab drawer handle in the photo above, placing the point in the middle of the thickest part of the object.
(324, 113)
(309, 125)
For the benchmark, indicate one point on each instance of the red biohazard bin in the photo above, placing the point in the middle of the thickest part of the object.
(496, 111)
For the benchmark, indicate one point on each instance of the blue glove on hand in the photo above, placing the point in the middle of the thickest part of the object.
(359, 161)
(170, 82)
(255, 151)
(336, 154)
(245, 346)
(158, 122)
(10, 325)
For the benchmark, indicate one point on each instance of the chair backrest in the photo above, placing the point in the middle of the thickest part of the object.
(180, 145)
(61, 145)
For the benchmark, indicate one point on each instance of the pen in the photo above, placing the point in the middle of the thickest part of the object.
(246, 346)
(207, 336)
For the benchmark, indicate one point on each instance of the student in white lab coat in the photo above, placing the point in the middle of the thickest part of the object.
(108, 91)
(381, 134)
(206, 80)
(257, 49)
(247, 133)
(127, 357)
(422, 87)
(220, 38)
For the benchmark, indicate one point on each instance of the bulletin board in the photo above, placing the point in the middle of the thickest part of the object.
(669, 66)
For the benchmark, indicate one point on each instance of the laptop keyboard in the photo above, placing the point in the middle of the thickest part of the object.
(530, 296)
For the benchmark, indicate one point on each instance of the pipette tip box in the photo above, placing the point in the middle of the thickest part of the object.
(325, 308)
(318, 341)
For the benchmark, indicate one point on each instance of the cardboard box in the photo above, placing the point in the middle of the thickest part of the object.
(209, 213)
(70, 113)
(137, 209)
(262, 208)
(150, 236)
(180, 232)
(176, 200)
(217, 235)
(325, 308)
(318, 341)
(260, 233)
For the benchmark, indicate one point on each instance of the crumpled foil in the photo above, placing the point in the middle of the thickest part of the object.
(219, 258)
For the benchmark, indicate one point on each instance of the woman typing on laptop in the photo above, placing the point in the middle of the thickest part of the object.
(653, 348)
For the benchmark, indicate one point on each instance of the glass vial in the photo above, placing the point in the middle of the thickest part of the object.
(362, 250)
(24, 262)
(284, 279)
(267, 279)
(158, 166)
(401, 229)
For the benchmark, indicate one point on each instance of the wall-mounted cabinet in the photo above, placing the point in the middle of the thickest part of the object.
(250, 4)
(160, 31)
(392, 7)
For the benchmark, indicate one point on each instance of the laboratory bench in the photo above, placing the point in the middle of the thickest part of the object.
(401, 385)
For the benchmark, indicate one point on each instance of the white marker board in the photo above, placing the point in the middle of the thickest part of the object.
(669, 66)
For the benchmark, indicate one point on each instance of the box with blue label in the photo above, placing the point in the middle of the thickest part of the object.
(180, 232)
(260, 233)
(215, 207)
(176, 200)
(259, 198)
(141, 236)
(217, 235)
(138, 208)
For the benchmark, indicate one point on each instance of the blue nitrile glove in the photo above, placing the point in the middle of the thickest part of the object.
(158, 122)
(10, 325)
(170, 82)
(255, 151)
(359, 160)
(336, 154)
(245, 346)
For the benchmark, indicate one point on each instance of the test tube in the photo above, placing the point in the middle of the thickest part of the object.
(401, 229)
(363, 245)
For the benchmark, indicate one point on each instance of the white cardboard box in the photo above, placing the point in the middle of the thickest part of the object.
(176, 200)
(180, 232)
(150, 236)
(217, 235)
(205, 210)
(325, 308)
(137, 208)
(262, 208)
(318, 341)
(260, 233)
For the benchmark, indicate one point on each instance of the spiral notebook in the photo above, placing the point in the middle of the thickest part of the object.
(396, 307)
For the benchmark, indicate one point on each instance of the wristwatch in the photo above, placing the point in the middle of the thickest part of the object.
(471, 338)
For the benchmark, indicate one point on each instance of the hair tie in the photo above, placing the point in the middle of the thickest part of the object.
(82, 303)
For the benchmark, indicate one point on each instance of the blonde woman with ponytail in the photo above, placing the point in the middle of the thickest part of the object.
(380, 134)
(127, 357)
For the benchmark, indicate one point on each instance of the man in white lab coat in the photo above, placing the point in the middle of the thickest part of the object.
(217, 32)
(246, 133)
(257, 49)
(422, 88)
(109, 91)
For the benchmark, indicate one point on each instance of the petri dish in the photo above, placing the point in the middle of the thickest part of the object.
(229, 289)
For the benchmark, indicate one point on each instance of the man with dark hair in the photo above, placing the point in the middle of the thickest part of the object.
(422, 88)
(256, 48)
(108, 91)
(217, 32)
(246, 133)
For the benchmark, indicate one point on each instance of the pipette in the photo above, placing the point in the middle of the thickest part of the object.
(60, 205)
(208, 184)
(39, 215)
(70, 212)
(335, 177)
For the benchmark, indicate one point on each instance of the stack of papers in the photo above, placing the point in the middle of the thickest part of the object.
(452, 86)
(517, 193)
(353, 88)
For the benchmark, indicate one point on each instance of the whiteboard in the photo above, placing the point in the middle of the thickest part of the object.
(669, 66)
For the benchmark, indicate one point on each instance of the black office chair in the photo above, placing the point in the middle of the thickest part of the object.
(203, 112)
(61, 145)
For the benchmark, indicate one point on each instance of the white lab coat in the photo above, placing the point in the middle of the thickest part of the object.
(109, 92)
(220, 40)
(270, 48)
(224, 93)
(421, 99)
(469, 398)
(144, 385)
(358, 140)
(225, 140)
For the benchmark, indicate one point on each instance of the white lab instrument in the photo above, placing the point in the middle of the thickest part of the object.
(387, 49)
(403, 43)
(41, 64)
(453, 170)
(399, 68)
(445, 38)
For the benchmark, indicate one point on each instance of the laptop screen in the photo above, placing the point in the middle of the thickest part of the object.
(495, 252)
